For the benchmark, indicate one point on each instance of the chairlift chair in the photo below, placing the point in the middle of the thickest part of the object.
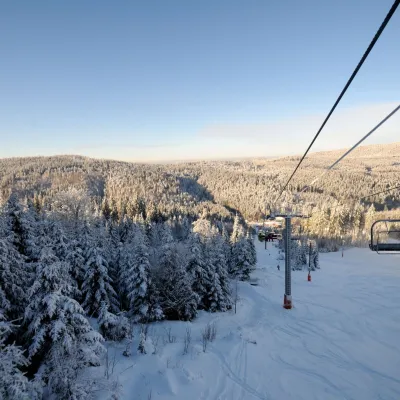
(384, 247)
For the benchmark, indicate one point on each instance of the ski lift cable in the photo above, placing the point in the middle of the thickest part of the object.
(351, 149)
(353, 75)
(365, 197)
(383, 191)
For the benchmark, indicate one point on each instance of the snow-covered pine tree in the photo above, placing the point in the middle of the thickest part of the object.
(141, 207)
(4, 305)
(43, 236)
(140, 222)
(114, 245)
(178, 300)
(54, 320)
(238, 250)
(295, 252)
(125, 268)
(226, 244)
(125, 229)
(242, 259)
(29, 221)
(154, 234)
(252, 250)
(14, 280)
(60, 242)
(314, 258)
(166, 234)
(76, 260)
(110, 253)
(14, 385)
(13, 222)
(224, 233)
(86, 239)
(220, 260)
(17, 230)
(198, 269)
(97, 285)
(203, 228)
(105, 209)
(241, 262)
(185, 228)
(114, 211)
(219, 293)
(141, 292)
(300, 260)
(237, 232)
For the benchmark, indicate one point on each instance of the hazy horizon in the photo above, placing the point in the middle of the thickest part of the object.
(188, 160)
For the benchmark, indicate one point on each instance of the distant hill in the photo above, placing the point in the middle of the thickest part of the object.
(370, 151)
(224, 186)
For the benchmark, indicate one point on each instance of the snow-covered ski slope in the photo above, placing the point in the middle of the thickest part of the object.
(341, 340)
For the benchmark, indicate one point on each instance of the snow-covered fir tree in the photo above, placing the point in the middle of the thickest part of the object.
(178, 300)
(166, 234)
(251, 249)
(86, 239)
(242, 261)
(97, 285)
(54, 320)
(141, 292)
(154, 234)
(125, 269)
(60, 242)
(203, 228)
(237, 232)
(314, 264)
(295, 255)
(219, 291)
(125, 229)
(299, 251)
(113, 244)
(44, 237)
(14, 279)
(76, 260)
(221, 262)
(226, 245)
(17, 225)
(14, 385)
(198, 269)
(185, 228)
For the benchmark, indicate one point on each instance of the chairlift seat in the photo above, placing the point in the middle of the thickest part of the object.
(389, 248)
(385, 247)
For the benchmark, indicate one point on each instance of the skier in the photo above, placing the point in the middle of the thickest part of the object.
(279, 268)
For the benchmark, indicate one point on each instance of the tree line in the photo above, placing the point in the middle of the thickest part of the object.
(58, 272)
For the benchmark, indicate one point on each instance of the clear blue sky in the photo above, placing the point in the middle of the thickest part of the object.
(171, 79)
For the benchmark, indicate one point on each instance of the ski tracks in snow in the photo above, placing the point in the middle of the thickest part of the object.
(235, 370)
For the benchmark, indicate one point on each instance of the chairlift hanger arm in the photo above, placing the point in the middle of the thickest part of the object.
(292, 215)
(394, 248)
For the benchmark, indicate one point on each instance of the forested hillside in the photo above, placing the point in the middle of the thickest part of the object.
(224, 188)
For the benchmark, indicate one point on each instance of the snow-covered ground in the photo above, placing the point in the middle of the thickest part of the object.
(340, 341)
